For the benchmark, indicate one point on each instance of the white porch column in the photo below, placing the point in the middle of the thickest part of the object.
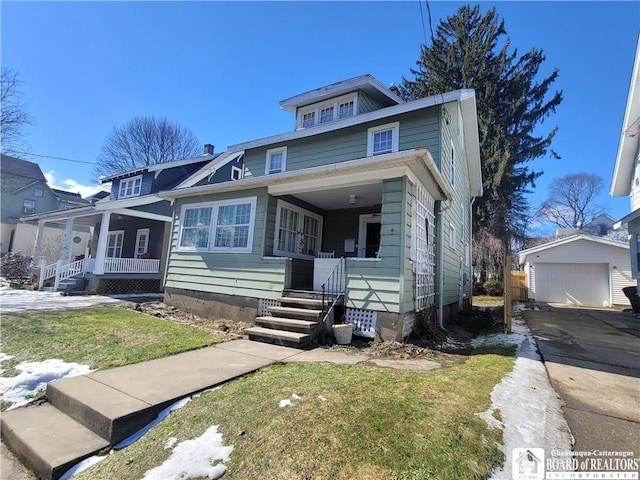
(65, 255)
(37, 242)
(101, 249)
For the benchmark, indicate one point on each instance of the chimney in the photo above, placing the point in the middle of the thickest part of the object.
(208, 149)
(394, 89)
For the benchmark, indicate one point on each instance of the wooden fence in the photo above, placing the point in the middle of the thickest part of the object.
(519, 286)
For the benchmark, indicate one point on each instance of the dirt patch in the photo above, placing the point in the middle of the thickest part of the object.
(162, 310)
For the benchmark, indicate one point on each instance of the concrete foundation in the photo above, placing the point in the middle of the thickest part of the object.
(212, 305)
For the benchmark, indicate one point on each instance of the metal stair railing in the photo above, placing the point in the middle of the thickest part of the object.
(332, 291)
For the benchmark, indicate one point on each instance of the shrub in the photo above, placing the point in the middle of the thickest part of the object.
(16, 267)
(493, 288)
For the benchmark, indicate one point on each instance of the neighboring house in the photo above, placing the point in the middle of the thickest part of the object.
(25, 191)
(369, 192)
(599, 226)
(626, 175)
(127, 251)
(579, 270)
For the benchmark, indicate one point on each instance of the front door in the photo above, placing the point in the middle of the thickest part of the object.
(369, 236)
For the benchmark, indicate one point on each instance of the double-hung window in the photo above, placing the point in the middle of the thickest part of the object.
(383, 139)
(29, 206)
(327, 111)
(225, 226)
(130, 187)
(276, 160)
(298, 231)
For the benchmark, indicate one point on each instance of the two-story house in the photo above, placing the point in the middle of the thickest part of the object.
(626, 174)
(25, 191)
(127, 249)
(368, 196)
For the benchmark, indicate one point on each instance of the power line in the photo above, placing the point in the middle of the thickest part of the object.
(430, 22)
(57, 158)
(424, 30)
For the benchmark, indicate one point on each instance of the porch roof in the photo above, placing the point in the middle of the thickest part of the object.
(415, 163)
(92, 213)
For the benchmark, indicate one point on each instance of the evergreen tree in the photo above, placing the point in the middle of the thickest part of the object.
(470, 50)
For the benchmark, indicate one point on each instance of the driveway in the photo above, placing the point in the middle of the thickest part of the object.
(592, 357)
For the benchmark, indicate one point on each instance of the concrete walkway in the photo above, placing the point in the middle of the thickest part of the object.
(106, 406)
(592, 357)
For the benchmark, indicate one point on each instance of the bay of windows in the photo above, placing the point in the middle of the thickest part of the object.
(218, 226)
(325, 112)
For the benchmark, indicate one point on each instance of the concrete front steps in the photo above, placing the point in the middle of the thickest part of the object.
(295, 323)
(89, 413)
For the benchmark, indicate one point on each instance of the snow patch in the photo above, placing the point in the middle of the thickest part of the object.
(170, 443)
(526, 402)
(34, 377)
(194, 459)
(287, 401)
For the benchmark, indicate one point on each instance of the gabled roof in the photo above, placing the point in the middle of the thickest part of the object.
(210, 168)
(159, 167)
(367, 83)
(70, 197)
(628, 147)
(523, 254)
(22, 168)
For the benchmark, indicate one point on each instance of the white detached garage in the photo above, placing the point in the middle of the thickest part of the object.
(579, 270)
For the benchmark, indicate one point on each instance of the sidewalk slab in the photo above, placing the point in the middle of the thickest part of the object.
(161, 381)
(47, 440)
(276, 353)
(110, 413)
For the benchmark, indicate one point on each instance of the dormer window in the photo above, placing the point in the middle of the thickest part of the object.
(327, 111)
(130, 187)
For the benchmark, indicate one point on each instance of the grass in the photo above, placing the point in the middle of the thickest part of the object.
(99, 337)
(375, 423)
(487, 301)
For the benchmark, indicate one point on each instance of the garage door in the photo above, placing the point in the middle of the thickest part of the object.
(577, 283)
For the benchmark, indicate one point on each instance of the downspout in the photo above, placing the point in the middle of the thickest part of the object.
(440, 229)
(471, 277)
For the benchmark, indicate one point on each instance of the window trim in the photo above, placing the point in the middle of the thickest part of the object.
(238, 171)
(126, 181)
(452, 236)
(271, 152)
(302, 213)
(115, 233)
(139, 233)
(215, 205)
(316, 109)
(38, 192)
(452, 167)
(28, 210)
(395, 135)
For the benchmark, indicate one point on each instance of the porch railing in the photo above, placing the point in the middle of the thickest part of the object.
(60, 271)
(131, 265)
(332, 294)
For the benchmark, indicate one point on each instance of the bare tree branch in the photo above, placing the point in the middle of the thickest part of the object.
(571, 200)
(145, 141)
(14, 116)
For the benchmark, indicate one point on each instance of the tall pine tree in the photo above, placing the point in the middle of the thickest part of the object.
(470, 50)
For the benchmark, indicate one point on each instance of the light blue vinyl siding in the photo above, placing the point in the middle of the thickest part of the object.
(453, 258)
(374, 284)
(417, 129)
(244, 274)
(368, 104)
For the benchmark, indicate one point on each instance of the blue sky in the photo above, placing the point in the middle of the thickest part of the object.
(220, 68)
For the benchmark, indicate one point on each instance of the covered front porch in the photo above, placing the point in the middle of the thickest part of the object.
(124, 254)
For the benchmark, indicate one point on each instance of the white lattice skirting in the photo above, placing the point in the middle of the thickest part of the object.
(363, 321)
(264, 305)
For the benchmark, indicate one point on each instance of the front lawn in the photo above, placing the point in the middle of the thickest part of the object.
(351, 422)
(98, 337)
